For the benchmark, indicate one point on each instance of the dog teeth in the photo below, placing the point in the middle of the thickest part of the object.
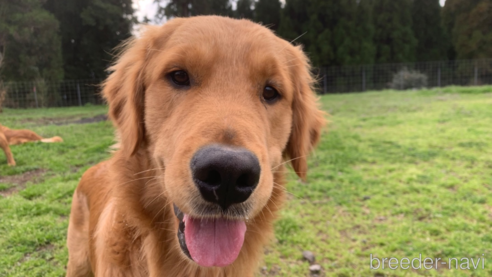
(181, 231)
(182, 240)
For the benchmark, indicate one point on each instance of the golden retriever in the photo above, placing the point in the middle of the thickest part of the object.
(12, 137)
(208, 110)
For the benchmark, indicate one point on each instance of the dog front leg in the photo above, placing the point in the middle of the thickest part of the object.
(4, 144)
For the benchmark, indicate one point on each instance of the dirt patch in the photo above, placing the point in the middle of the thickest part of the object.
(43, 248)
(47, 120)
(447, 97)
(20, 180)
(46, 247)
(65, 120)
(273, 271)
(85, 120)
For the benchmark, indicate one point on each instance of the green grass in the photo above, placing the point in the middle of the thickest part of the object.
(34, 218)
(397, 174)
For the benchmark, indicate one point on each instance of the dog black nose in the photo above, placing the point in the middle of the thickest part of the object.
(225, 175)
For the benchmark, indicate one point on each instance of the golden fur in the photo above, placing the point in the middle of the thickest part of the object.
(122, 221)
(12, 137)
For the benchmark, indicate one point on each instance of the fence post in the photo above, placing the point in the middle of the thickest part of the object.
(363, 79)
(439, 76)
(325, 85)
(35, 96)
(78, 94)
(476, 75)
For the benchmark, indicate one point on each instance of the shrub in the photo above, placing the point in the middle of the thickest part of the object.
(408, 79)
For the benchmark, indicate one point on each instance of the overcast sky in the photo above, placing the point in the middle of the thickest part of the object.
(145, 8)
(148, 8)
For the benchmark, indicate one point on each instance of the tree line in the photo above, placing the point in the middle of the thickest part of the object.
(74, 39)
(55, 40)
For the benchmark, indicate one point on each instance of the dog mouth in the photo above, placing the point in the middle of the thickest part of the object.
(210, 241)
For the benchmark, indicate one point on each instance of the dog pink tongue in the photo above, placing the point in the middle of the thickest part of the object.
(214, 242)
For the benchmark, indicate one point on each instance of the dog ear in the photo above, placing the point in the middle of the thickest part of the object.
(124, 89)
(307, 120)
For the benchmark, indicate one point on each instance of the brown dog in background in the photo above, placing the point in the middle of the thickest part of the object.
(209, 109)
(13, 137)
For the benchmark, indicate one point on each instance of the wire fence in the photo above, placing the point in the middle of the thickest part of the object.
(41, 93)
(404, 76)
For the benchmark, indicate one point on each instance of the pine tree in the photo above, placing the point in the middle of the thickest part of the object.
(244, 9)
(211, 7)
(344, 39)
(337, 32)
(394, 37)
(175, 8)
(294, 22)
(186, 8)
(470, 25)
(364, 32)
(90, 30)
(427, 27)
(322, 19)
(267, 12)
(29, 42)
(353, 33)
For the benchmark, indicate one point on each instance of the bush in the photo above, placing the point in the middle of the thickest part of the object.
(408, 79)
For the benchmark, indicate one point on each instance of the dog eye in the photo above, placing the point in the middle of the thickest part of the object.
(270, 94)
(180, 78)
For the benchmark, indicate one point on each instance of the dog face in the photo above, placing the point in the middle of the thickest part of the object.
(217, 104)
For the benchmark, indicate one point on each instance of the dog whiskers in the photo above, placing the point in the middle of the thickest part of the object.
(157, 168)
(275, 167)
(291, 193)
(298, 37)
(131, 181)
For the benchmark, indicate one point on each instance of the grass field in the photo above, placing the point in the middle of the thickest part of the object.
(397, 174)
